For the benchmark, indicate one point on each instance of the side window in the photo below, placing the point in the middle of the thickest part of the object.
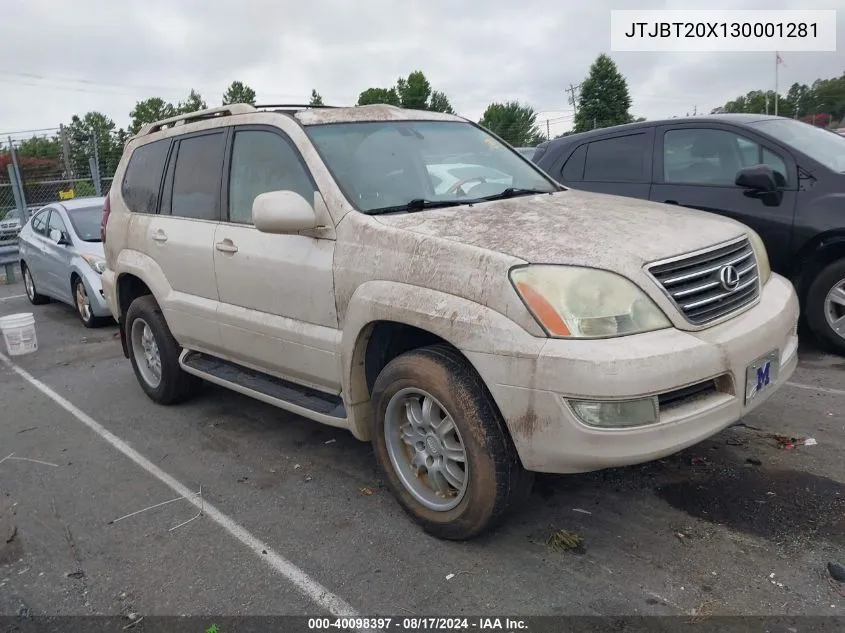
(143, 177)
(619, 159)
(573, 169)
(39, 222)
(263, 161)
(712, 157)
(776, 163)
(56, 223)
(197, 175)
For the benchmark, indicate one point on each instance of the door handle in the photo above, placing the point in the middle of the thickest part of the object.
(226, 246)
(159, 236)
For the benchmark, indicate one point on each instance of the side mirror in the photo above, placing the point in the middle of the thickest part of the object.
(758, 178)
(282, 212)
(57, 236)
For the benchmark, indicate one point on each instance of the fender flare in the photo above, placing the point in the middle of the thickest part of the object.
(464, 324)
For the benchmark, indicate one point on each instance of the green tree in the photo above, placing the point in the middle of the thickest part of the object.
(604, 99)
(316, 98)
(193, 103)
(149, 111)
(239, 92)
(515, 123)
(40, 147)
(755, 102)
(378, 95)
(84, 134)
(413, 92)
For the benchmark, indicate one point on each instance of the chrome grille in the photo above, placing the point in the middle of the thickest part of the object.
(695, 283)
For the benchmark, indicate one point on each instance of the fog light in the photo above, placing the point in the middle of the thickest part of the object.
(617, 414)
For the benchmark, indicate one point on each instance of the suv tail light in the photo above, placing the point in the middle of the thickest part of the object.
(105, 220)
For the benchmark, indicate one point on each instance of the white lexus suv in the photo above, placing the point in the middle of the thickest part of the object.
(475, 335)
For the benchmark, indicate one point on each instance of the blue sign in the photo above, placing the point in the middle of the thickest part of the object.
(763, 375)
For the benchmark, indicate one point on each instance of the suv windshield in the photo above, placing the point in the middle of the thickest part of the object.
(825, 146)
(387, 164)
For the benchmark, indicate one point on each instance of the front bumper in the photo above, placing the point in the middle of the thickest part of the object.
(531, 392)
(96, 297)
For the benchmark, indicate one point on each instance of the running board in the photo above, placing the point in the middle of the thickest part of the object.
(309, 403)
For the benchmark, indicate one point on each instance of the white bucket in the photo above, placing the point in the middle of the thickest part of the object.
(19, 333)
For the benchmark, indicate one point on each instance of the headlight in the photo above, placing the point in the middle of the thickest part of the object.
(572, 302)
(764, 269)
(95, 262)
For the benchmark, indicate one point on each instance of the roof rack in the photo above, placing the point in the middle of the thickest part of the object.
(200, 115)
(290, 106)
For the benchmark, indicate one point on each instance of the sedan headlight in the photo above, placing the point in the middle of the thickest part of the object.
(764, 269)
(573, 302)
(95, 262)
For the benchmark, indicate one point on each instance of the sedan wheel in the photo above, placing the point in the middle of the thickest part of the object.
(83, 305)
(29, 285)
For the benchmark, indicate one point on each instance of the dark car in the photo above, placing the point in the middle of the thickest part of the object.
(783, 178)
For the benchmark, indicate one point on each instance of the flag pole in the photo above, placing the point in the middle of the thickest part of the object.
(777, 60)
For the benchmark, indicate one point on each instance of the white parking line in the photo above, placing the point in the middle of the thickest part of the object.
(12, 297)
(309, 587)
(835, 392)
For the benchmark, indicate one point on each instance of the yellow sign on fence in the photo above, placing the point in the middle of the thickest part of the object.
(66, 195)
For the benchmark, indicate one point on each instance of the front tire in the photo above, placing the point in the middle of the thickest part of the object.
(154, 354)
(29, 284)
(443, 446)
(83, 305)
(825, 306)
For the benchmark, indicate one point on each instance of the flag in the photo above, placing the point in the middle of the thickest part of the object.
(779, 59)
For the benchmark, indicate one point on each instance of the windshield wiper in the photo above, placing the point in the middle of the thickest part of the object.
(511, 192)
(418, 204)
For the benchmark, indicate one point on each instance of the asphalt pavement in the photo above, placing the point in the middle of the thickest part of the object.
(294, 518)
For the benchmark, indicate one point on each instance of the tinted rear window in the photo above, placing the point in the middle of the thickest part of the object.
(573, 169)
(618, 159)
(143, 177)
(86, 222)
(197, 177)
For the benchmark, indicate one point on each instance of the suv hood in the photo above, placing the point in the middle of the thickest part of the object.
(574, 227)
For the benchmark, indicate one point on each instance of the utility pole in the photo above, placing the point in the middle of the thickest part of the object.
(548, 131)
(66, 152)
(767, 103)
(694, 110)
(573, 100)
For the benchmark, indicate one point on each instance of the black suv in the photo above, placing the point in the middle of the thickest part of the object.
(783, 178)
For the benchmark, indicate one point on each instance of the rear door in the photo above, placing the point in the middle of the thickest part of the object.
(696, 166)
(57, 258)
(617, 164)
(180, 238)
(34, 252)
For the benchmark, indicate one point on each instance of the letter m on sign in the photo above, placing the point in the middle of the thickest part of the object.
(763, 375)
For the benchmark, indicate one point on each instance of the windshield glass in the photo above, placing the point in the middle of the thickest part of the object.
(386, 164)
(86, 222)
(825, 146)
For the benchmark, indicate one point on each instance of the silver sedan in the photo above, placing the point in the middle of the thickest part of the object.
(62, 257)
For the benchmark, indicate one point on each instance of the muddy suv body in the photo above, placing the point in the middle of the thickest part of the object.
(307, 258)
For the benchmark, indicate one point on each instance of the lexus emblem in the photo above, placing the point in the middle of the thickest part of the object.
(729, 278)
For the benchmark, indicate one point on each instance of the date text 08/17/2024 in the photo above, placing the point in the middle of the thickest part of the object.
(505, 625)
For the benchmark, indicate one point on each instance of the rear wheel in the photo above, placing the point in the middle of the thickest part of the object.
(154, 354)
(29, 284)
(825, 306)
(443, 446)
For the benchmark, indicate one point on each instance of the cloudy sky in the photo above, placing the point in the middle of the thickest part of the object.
(65, 57)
